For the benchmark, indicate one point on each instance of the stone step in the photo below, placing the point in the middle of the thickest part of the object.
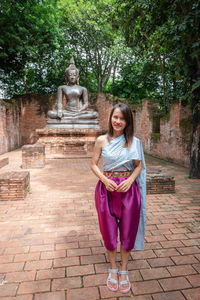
(160, 184)
(4, 162)
(14, 185)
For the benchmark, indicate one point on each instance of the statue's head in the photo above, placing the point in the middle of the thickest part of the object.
(72, 73)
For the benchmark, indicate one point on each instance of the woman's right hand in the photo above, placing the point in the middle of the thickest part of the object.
(111, 186)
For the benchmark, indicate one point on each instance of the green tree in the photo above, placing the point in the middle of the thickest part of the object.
(38, 38)
(29, 37)
(168, 32)
(138, 80)
(88, 30)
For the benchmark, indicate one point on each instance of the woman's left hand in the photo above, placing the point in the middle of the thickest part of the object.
(125, 185)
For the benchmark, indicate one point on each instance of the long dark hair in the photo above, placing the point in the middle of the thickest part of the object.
(129, 129)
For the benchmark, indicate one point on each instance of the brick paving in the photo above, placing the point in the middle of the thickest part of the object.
(51, 249)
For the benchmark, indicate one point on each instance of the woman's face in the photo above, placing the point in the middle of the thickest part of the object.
(118, 122)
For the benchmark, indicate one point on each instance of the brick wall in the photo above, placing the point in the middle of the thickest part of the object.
(171, 143)
(174, 142)
(9, 127)
(18, 120)
(32, 118)
(104, 106)
(143, 124)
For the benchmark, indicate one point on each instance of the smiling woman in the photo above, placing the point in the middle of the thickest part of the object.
(118, 122)
(121, 121)
(120, 194)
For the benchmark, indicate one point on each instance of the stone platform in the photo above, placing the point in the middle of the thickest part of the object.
(4, 162)
(14, 185)
(72, 124)
(158, 182)
(33, 156)
(68, 142)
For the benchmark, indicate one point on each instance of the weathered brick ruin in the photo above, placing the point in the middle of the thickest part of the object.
(33, 156)
(4, 162)
(160, 184)
(14, 185)
(163, 136)
(166, 137)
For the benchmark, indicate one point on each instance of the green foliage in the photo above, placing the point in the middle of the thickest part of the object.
(185, 125)
(156, 136)
(167, 33)
(25, 25)
(38, 37)
(94, 44)
(138, 80)
(165, 117)
(30, 38)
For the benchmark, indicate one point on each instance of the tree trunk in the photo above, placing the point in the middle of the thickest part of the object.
(195, 147)
(100, 86)
(114, 70)
(194, 171)
(164, 82)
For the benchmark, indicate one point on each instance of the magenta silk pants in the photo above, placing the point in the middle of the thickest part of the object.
(117, 209)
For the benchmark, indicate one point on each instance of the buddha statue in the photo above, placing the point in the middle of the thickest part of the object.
(75, 110)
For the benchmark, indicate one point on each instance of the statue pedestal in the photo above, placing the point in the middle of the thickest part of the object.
(68, 142)
(73, 124)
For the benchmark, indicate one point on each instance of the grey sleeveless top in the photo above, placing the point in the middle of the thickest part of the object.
(116, 157)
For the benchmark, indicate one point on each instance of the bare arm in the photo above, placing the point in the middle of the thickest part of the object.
(137, 170)
(110, 185)
(95, 160)
(125, 185)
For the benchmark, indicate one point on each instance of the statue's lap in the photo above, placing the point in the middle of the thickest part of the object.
(70, 114)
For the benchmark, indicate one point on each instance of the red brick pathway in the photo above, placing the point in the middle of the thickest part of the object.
(50, 247)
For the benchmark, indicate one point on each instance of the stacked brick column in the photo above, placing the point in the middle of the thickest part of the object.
(14, 185)
(33, 156)
(4, 162)
(160, 184)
